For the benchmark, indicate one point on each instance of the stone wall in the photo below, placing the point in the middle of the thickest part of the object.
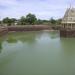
(67, 33)
(29, 28)
(3, 30)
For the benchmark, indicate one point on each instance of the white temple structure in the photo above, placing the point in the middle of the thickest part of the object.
(68, 20)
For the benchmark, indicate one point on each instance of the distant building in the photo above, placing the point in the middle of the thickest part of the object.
(68, 20)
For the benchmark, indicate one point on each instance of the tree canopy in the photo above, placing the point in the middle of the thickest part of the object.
(30, 19)
(9, 21)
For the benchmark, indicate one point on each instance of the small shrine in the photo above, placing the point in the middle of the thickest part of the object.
(68, 21)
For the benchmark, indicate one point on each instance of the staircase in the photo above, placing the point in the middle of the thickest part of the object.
(3, 30)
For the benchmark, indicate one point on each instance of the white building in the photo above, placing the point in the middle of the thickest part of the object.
(68, 20)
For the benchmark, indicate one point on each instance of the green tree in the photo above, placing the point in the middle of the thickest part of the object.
(7, 21)
(59, 21)
(0, 22)
(39, 22)
(46, 22)
(22, 21)
(53, 21)
(13, 20)
(31, 19)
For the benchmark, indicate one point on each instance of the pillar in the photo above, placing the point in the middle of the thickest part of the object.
(71, 26)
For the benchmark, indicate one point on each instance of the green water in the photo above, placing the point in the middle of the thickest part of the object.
(37, 53)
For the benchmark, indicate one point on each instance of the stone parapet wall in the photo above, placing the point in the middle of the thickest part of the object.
(29, 28)
(3, 30)
(67, 33)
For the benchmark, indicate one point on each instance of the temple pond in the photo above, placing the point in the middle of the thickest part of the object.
(37, 53)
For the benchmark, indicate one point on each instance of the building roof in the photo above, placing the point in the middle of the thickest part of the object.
(69, 16)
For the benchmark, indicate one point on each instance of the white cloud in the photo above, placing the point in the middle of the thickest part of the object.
(44, 9)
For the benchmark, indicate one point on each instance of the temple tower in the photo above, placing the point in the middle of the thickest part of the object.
(68, 21)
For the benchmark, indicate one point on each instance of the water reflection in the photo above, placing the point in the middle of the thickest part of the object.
(0, 46)
(68, 53)
(31, 37)
(25, 37)
(11, 39)
(37, 53)
(1, 41)
(68, 45)
(28, 37)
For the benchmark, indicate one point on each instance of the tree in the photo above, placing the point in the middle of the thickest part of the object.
(31, 19)
(0, 22)
(46, 22)
(39, 22)
(7, 21)
(22, 21)
(13, 20)
(53, 21)
(59, 21)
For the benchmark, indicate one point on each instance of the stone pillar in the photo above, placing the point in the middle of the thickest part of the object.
(71, 26)
(62, 25)
(74, 26)
(66, 25)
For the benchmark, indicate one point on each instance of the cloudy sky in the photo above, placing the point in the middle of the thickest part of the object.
(43, 9)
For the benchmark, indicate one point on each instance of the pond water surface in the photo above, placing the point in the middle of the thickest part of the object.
(37, 53)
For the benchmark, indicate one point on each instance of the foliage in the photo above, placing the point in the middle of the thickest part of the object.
(22, 21)
(30, 19)
(52, 21)
(39, 21)
(13, 20)
(9, 21)
(59, 21)
(6, 21)
(0, 22)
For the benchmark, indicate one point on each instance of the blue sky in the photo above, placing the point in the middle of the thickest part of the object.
(43, 9)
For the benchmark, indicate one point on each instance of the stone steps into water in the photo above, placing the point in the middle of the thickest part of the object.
(3, 30)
